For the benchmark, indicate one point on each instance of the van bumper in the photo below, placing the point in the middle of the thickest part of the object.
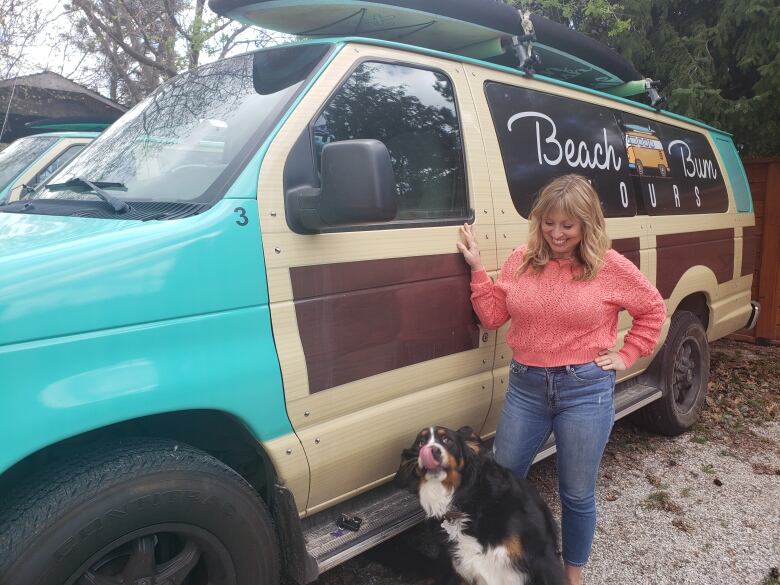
(756, 309)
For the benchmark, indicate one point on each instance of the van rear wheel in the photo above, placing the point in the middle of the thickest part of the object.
(684, 376)
(640, 168)
(144, 512)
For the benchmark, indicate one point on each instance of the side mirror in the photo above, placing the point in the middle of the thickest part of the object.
(357, 187)
(26, 190)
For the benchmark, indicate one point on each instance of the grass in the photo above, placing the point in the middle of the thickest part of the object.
(661, 500)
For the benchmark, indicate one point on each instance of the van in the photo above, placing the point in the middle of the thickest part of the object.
(30, 161)
(642, 145)
(233, 310)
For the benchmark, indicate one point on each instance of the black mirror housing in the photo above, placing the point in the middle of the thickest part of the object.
(358, 183)
(357, 187)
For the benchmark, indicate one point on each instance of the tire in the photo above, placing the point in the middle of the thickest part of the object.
(662, 170)
(140, 510)
(640, 169)
(684, 375)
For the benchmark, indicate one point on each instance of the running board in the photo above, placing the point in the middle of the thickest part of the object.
(384, 512)
(629, 396)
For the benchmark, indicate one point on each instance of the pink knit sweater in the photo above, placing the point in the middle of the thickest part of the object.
(558, 321)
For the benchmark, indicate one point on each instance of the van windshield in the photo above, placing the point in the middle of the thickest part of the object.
(188, 140)
(20, 155)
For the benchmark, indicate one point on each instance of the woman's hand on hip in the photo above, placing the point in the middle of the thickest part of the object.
(610, 360)
(469, 247)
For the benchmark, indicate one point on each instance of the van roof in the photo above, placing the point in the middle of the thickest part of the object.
(69, 134)
(505, 69)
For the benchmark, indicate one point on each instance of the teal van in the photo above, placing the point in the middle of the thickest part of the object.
(30, 161)
(222, 322)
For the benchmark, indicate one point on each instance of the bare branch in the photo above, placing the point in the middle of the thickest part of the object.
(229, 43)
(97, 25)
(171, 14)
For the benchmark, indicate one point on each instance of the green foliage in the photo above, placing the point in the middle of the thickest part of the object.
(719, 60)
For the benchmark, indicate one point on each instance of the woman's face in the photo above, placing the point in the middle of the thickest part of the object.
(562, 233)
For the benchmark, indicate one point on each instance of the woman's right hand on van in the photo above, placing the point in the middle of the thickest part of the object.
(470, 249)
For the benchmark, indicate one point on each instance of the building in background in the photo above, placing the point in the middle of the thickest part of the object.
(36, 103)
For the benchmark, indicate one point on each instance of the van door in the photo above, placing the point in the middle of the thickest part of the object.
(373, 323)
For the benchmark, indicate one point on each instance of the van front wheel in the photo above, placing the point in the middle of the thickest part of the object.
(139, 512)
(684, 375)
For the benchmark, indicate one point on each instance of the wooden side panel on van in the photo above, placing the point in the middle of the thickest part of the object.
(373, 323)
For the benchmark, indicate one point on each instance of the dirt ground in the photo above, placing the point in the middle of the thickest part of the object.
(702, 508)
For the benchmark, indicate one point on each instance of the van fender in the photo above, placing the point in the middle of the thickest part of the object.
(697, 280)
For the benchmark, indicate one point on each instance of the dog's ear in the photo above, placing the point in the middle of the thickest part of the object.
(472, 440)
(408, 474)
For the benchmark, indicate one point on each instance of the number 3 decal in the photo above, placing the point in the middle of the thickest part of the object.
(242, 218)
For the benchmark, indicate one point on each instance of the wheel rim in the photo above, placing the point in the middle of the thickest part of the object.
(687, 375)
(169, 554)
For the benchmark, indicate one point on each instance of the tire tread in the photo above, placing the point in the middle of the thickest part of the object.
(46, 495)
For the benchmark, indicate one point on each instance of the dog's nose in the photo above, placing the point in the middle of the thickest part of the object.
(436, 452)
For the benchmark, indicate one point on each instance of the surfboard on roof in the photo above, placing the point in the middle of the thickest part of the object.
(472, 28)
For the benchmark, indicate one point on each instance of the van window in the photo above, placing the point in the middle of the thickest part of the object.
(675, 170)
(55, 165)
(20, 155)
(412, 111)
(542, 136)
(187, 141)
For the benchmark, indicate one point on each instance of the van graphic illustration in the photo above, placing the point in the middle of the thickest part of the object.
(645, 151)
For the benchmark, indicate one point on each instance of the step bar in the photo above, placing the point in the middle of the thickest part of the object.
(385, 512)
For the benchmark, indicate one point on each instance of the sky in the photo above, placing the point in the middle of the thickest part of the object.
(47, 53)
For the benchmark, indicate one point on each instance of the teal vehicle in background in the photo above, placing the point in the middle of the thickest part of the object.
(225, 317)
(30, 161)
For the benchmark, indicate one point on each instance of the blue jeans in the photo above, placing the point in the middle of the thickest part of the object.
(576, 403)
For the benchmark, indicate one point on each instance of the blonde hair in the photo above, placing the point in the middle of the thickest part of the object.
(574, 197)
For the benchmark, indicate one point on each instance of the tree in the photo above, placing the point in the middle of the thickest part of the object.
(137, 44)
(719, 60)
(21, 21)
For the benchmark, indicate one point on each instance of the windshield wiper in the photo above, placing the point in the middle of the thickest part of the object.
(97, 187)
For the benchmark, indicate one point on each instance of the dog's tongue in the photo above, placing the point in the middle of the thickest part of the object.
(427, 459)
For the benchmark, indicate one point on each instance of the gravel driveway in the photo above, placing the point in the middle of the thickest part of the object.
(699, 509)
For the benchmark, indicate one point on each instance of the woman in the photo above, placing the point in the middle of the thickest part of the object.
(563, 292)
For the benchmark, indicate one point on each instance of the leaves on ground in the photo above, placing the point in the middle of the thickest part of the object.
(744, 390)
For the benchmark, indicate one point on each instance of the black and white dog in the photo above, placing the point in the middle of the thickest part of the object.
(498, 529)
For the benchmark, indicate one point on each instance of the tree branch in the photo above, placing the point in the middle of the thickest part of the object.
(172, 16)
(96, 24)
(229, 42)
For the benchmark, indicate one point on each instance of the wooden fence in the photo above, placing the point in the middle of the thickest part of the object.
(764, 178)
